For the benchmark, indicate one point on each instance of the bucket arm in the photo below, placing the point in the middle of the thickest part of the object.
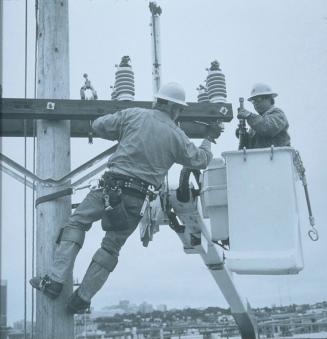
(196, 239)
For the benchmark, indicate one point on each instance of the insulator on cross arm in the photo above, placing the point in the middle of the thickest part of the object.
(124, 81)
(216, 83)
(87, 87)
(202, 94)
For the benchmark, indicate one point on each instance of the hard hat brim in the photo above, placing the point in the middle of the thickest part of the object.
(274, 95)
(163, 97)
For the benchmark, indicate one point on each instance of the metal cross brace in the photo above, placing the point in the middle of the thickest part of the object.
(55, 182)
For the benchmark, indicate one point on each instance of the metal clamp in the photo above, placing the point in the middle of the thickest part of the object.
(216, 267)
(87, 86)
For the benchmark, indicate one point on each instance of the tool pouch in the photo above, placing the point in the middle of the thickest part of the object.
(115, 218)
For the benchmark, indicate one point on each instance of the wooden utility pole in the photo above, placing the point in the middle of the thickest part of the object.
(1, 49)
(1, 46)
(53, 160)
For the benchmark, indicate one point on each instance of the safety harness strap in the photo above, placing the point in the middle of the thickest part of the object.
(53, 196)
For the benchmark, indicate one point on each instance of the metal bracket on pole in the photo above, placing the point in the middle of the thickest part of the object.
(61, 181)
(16, 176)
(55, 195)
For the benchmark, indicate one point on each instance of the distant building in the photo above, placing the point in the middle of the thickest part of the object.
(107, 312)
(3, 303)
(20, 326)
(162, 308)
(3, 309)
(145, 308)
(124, 304)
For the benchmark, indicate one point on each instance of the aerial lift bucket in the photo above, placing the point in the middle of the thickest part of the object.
(262, 210)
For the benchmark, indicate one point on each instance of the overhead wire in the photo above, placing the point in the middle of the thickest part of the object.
(34, 167)
(25, 184)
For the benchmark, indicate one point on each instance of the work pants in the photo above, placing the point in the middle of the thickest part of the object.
(105, 259)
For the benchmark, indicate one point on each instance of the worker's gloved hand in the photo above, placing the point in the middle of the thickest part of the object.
(243, 113)
(214, 131)
(115, 197)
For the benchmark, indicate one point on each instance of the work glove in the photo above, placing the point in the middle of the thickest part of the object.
(214, 131)
(115, 197)
(243, 113)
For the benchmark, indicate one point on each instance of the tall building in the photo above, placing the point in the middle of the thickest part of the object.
(3, 309)
(3, 303)
(162, 308)
(145, 308)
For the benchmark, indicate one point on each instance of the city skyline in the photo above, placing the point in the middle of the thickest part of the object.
(109, 310)
(300, 321)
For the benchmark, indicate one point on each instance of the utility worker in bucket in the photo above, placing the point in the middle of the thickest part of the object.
(268, 127)
(150, 142)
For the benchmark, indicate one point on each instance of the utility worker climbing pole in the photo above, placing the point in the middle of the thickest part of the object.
(150, 142)
(270, 126)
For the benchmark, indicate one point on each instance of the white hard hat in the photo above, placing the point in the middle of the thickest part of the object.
(261, 89)
(173, 92)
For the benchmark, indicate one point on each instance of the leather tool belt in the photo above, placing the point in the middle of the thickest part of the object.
(126, 183)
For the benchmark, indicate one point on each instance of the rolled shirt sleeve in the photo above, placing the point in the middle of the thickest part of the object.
(109, 126)
(195, 157)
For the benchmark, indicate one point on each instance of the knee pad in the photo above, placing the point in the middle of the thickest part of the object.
(105, 259)
(72, 234)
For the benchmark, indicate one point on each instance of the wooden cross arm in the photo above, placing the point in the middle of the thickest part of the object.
(81, 112)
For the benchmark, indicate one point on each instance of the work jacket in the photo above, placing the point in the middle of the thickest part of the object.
(149, 144)
(268, 129)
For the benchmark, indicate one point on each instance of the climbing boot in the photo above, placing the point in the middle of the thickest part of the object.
(47, 286)
(77, 305)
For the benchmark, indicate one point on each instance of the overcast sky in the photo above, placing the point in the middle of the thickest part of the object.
(281, 42)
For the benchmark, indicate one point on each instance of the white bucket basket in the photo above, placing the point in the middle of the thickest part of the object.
(264, 228)
(214, 199)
